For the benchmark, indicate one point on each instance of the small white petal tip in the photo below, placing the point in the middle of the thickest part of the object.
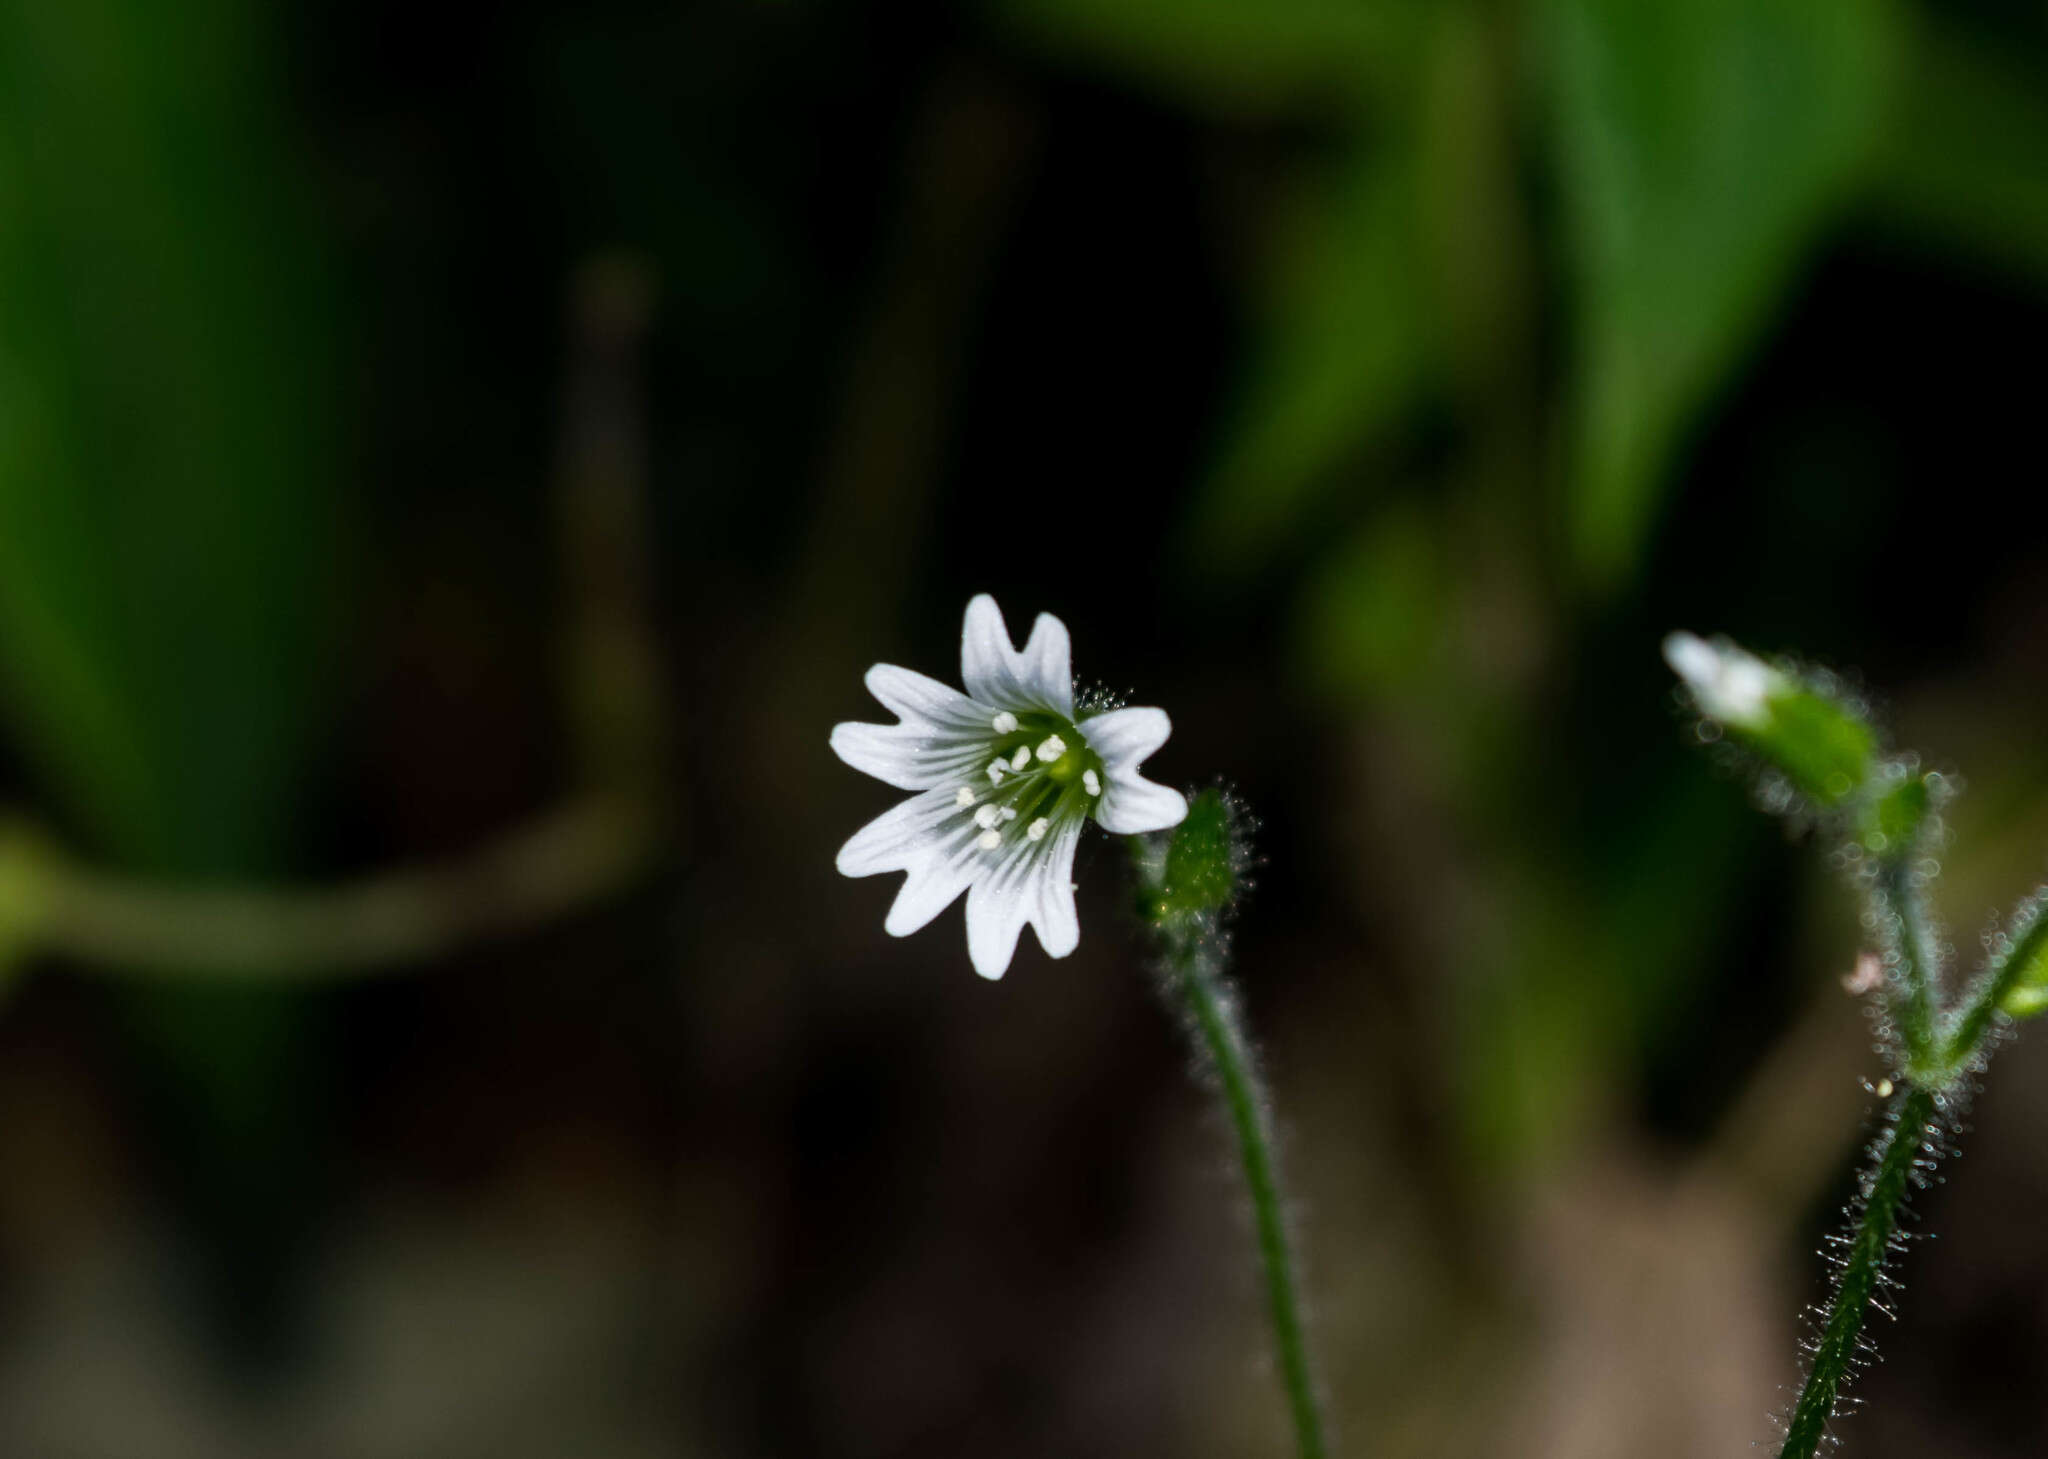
(1691, 657)
(1727, 683)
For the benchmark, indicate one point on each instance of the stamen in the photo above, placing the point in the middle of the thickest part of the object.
(1004, 723)
(995, 771)
(1022, 758)
(963, 796)
(1008, 813)
(1052, 749)
(1037, 829)
(1091, 782)
(986, 817)
(988, 840)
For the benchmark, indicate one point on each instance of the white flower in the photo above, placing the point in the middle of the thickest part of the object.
(1005, 777)
(1727, 683)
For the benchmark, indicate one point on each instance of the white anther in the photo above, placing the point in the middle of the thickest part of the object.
(1052, 749)
(1009, 813)
(1091, 782)
(986, 817)
(1004, 723)
(1037, 829)
(988, 840)
(995, 771)
(1022, 758)
(963, 796)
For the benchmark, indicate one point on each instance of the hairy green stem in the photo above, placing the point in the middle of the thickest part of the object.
(1862, 1272)
(1914, 1002)
(1195, 974)
(1975, 1019)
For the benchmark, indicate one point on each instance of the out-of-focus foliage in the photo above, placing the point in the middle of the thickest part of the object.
(1961, 159)
(1700, 144)
(167, 427)
(1696, 150)
(1523, 258)
(1287, 57)
(170, 529)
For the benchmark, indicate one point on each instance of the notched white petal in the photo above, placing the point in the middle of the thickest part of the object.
(1132, 805)
(1126, 736)
(1046, 667)
(900, 837)
(1028, 883)
(1054, 919)
(1041, 676)
(931, 887)
(995, 915)
(889, 754)
(920, 699)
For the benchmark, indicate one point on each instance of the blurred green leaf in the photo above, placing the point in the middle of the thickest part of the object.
(1594, 964)
(1226, 54)
(1378, 618)
(1699, 143)
(167, 437)
(1343, 356)
(169, 460)
(1962, 159)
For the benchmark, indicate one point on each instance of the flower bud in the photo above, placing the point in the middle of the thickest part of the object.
(1820, 744)
(1195, 870)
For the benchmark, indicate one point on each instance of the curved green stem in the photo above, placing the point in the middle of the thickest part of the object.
(1973, 1022)
(1862, 1272)
(1913, 1001)
(1195, 974)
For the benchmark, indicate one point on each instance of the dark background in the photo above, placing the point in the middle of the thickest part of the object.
(415, 422)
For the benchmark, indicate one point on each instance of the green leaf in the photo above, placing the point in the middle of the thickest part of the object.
(1341, 357)
(1961, 161)
(1700, 145)
(168, 443)
(1272, 56)
(1379, 617)
(169, 510)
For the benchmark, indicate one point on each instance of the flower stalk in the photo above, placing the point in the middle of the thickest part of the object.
(1188, 881)
(1904, 1151)
(1195, 977)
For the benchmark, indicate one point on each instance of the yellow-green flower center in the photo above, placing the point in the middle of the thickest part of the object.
(1040, 773)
